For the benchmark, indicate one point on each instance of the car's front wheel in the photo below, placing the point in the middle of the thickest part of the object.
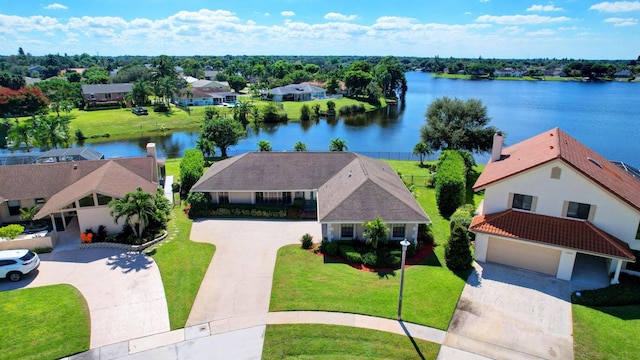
(14, 276)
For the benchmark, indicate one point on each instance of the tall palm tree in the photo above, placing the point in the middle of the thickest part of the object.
(136, 208)
(21, 132)
(423, 150)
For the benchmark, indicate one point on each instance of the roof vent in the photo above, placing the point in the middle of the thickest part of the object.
(75, 166)
(595, 162)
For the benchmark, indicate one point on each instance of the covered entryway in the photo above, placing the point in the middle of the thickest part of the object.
(520, 254)
(590, 272)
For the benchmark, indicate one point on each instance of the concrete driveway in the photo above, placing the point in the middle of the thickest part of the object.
(123, 290)
(507, 313)
(236, 289)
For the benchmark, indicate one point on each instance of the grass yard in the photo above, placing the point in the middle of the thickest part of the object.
(606, 332)
(293, 108)
(182, 262)
(35, 327)
(341, 342)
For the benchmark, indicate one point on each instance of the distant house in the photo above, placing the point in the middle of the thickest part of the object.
(77, 190)
(343, 189)
(210, 74)
(105, 92)
(51, 156)
(622, 74)
(204, 97)
(554, 206)
(211, 84)
(296, 92)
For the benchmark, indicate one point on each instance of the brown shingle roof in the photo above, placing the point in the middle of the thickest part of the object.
(110, 179)
(567, 233)
(556, 144)
(44, 180)
(350, 186)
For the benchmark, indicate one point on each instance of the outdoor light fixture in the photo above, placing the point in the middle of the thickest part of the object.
(404, 244)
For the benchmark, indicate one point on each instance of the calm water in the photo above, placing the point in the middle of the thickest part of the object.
(604, 116)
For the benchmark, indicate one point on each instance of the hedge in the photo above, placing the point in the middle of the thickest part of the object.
(450, 182)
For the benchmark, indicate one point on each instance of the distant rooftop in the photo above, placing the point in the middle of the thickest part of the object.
(51, 156)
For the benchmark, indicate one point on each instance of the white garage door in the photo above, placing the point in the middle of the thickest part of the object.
(518, 254)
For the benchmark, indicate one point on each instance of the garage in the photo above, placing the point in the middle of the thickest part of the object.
(523, 255)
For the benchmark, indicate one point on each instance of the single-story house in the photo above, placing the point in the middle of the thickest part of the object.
(80, 189)
(296, 92)
(105, 92)
(53, 155)
(555, 206)
(211, 84)
(344, 189)
(204, 97)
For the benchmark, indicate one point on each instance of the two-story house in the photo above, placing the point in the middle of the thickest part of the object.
(555, 206)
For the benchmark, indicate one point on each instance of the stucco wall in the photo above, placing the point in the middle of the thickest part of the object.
(611, 214)
(31, 244)
(93, 217)
(334, 231)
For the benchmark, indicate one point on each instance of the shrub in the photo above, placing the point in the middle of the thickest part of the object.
(307, 241)
(457, 252)
(350, 254)
(370, 259)
(175, 187)
(329, 248)
(101, 235)
(424, 234)
(160, 107)
(389, 259)
(463, 216)
(305, 113)
(191, 169)
(199, 202)
(411, 250)
(42, 250)
(79, 135)
(11, 231)
(450, 182)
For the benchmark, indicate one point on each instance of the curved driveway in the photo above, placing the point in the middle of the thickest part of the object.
(236, 289)
(123, 290)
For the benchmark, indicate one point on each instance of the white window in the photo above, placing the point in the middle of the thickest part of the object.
(346, 231)
(398, 231)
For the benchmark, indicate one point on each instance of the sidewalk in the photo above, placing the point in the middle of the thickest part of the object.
(244, 339)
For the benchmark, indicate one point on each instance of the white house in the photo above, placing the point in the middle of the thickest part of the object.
(554, 206)
(296, 92)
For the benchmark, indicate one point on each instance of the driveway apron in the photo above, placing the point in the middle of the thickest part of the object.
(123, 291)
(508, 313)
(236, 289)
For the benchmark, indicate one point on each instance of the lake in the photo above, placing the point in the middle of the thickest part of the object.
(604, 116)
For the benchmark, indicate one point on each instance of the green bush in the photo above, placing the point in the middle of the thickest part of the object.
(160, 107)
(451, 182)
(627, 292)
(11, 231)
(350, 254)
(298, 203)
(425, 236)
(389, 259)
(411, 250)
(370, 259)
(42, 250)
(191, 169)
(463, 217)
(457, 252)
(329, 248)
(198, 202)
(307, 241)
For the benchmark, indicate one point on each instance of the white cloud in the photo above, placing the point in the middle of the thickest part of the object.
(56, 6)
(287, 13)
(617, 6)
(622, 21)
(543, 32)
(544, 8)
(512, 30)
(340, 17)
(521, 19)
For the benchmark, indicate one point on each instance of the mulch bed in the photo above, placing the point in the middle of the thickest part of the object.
(421, 254)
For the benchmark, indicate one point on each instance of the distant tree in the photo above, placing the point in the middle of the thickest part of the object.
(264, 145)
(140, 92)
(191, 169)
(331, 107)
(422, 149)
(242, 110)
(11, 81)
(457, 252)
(332, 86)
(338, 144)
(223, 132)
(96, 75)
(73, 76)
(206, 147)
(305, 112)
(300, 146)
(391, 77)
(376, 232)
(357, 81)
(237, 83)
(272, 114)
(457, 124)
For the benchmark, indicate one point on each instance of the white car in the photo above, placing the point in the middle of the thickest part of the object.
(14, 264)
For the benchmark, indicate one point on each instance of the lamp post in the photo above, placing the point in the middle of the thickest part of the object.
(404, 244)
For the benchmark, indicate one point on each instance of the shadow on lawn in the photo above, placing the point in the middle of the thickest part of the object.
(627, 312)
(415, 345)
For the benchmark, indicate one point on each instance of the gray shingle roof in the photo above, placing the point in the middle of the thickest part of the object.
(350, 186)
(106, 88)
(295, 89)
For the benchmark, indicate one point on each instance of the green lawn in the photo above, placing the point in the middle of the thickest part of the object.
(304, 281)
(35, 327)
(341, 342)
(606, 332)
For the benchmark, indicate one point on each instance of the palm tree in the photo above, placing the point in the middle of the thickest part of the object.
(338, 144)
(140, 92)
(264, 145)
(21, 133)
(136, 208)
(423, 150)
(376, 232)
(207, 147)
(29, 213)
(300, 146)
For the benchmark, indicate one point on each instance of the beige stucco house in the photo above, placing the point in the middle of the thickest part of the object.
(344, 189)
(555, 206)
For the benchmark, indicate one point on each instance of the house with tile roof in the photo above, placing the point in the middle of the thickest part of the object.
(75, 190)
(343, 189)
(555, 206)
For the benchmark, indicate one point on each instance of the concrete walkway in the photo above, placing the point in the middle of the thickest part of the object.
(123, 290)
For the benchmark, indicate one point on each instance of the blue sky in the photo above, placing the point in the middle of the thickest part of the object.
(575, 29)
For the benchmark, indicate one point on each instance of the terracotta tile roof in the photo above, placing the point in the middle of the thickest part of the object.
(350, 186)
(567, 233)
(556, 144)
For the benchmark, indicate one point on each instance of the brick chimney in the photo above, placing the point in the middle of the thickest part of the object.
(496, 150)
